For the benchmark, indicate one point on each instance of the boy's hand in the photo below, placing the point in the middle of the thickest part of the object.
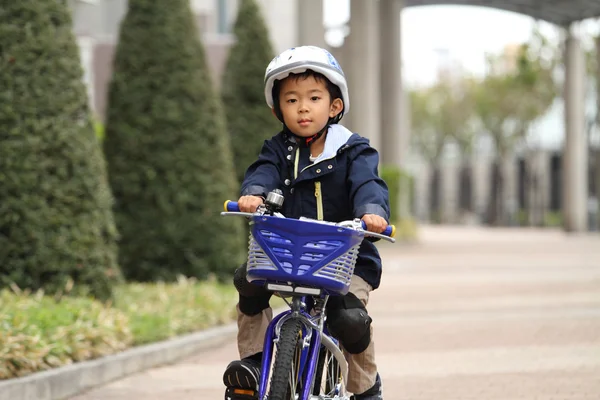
(375, 223)
(249, 203)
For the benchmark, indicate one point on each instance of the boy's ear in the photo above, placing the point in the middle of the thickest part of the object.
(336, 107)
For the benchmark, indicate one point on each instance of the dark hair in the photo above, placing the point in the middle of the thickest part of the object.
(334, 91)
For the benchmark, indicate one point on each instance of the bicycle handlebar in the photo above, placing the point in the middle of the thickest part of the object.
(390, 230)
(231, 206)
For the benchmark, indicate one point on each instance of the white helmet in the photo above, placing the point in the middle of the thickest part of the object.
(297, 60)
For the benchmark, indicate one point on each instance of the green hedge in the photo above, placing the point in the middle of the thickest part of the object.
(99, 130)
(159, 311)
(394, 177)
(406, 228)
(56, 221)
(169, 161)
(249, 119)
(551, 219)
(39, 332)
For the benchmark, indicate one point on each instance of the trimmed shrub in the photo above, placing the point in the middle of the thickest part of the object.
(249, 119)
(55, 209)
(170, 165)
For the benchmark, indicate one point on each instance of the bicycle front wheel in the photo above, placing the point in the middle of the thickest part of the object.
(328, 383)
(285, 379)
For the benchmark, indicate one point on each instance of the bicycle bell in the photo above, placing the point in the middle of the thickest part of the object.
(275, 199)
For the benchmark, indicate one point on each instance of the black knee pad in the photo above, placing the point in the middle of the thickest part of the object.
(349, 322)
(253, 298)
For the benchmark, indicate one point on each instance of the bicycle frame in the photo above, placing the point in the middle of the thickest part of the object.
(314, 335)
(338, 246)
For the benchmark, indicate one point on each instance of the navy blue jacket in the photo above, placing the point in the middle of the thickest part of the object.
(345, 174)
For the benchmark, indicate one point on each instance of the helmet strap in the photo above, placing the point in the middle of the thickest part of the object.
(307, 141)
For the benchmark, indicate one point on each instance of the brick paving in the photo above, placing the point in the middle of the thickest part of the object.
(465, 314)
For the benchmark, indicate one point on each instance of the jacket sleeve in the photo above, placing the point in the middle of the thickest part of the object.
(368, 192)
(263, 175)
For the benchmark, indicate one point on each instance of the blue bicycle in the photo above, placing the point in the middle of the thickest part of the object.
(304, 261)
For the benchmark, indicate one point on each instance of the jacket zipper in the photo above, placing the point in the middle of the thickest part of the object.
(318, 194)
(319, 197)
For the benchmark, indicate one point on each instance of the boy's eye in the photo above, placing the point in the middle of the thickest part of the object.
(291, 100)
(315, 98)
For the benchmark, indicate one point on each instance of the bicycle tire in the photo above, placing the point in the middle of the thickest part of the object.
(289, 346)
(333, 376)
(319, 371)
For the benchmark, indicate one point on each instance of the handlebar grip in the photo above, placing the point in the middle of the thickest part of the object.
(231, 206)
(390, 230)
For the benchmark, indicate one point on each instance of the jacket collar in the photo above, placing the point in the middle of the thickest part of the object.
(337, 136)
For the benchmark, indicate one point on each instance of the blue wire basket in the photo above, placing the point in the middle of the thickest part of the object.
(303, 253)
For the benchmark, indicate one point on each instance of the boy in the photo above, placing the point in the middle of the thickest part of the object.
(325, 172)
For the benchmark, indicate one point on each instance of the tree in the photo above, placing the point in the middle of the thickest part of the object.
(519, 89)
(249, 120)
(170, 165)
(459, 115)
(462, 127)
(441, 114)
(56, 223)
(427, 139)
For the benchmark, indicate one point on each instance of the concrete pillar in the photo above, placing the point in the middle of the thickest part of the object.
(510, 170)
(538, 186)
(449, 191)
(481, 186)
(404, 153)
(394, 110)
(391, 81)
(422, 192)
(311, 30)
(340, 54)
(575, 189)
(362, 70)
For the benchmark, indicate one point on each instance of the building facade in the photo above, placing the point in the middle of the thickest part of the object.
(96, 24)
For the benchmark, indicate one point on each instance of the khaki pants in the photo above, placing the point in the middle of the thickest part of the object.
(362, 370)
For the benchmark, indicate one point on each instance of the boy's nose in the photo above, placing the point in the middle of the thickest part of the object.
(303, 107)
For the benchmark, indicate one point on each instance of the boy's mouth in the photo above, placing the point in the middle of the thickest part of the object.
(304, 122)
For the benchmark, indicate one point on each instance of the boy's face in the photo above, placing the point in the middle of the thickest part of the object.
(306, 105)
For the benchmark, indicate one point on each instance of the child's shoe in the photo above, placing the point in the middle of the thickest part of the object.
(375, 393)
(242, 374)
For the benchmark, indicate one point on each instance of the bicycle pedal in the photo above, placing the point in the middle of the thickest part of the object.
(233, 393)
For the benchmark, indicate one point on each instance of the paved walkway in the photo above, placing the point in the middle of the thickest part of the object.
(466, 314)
